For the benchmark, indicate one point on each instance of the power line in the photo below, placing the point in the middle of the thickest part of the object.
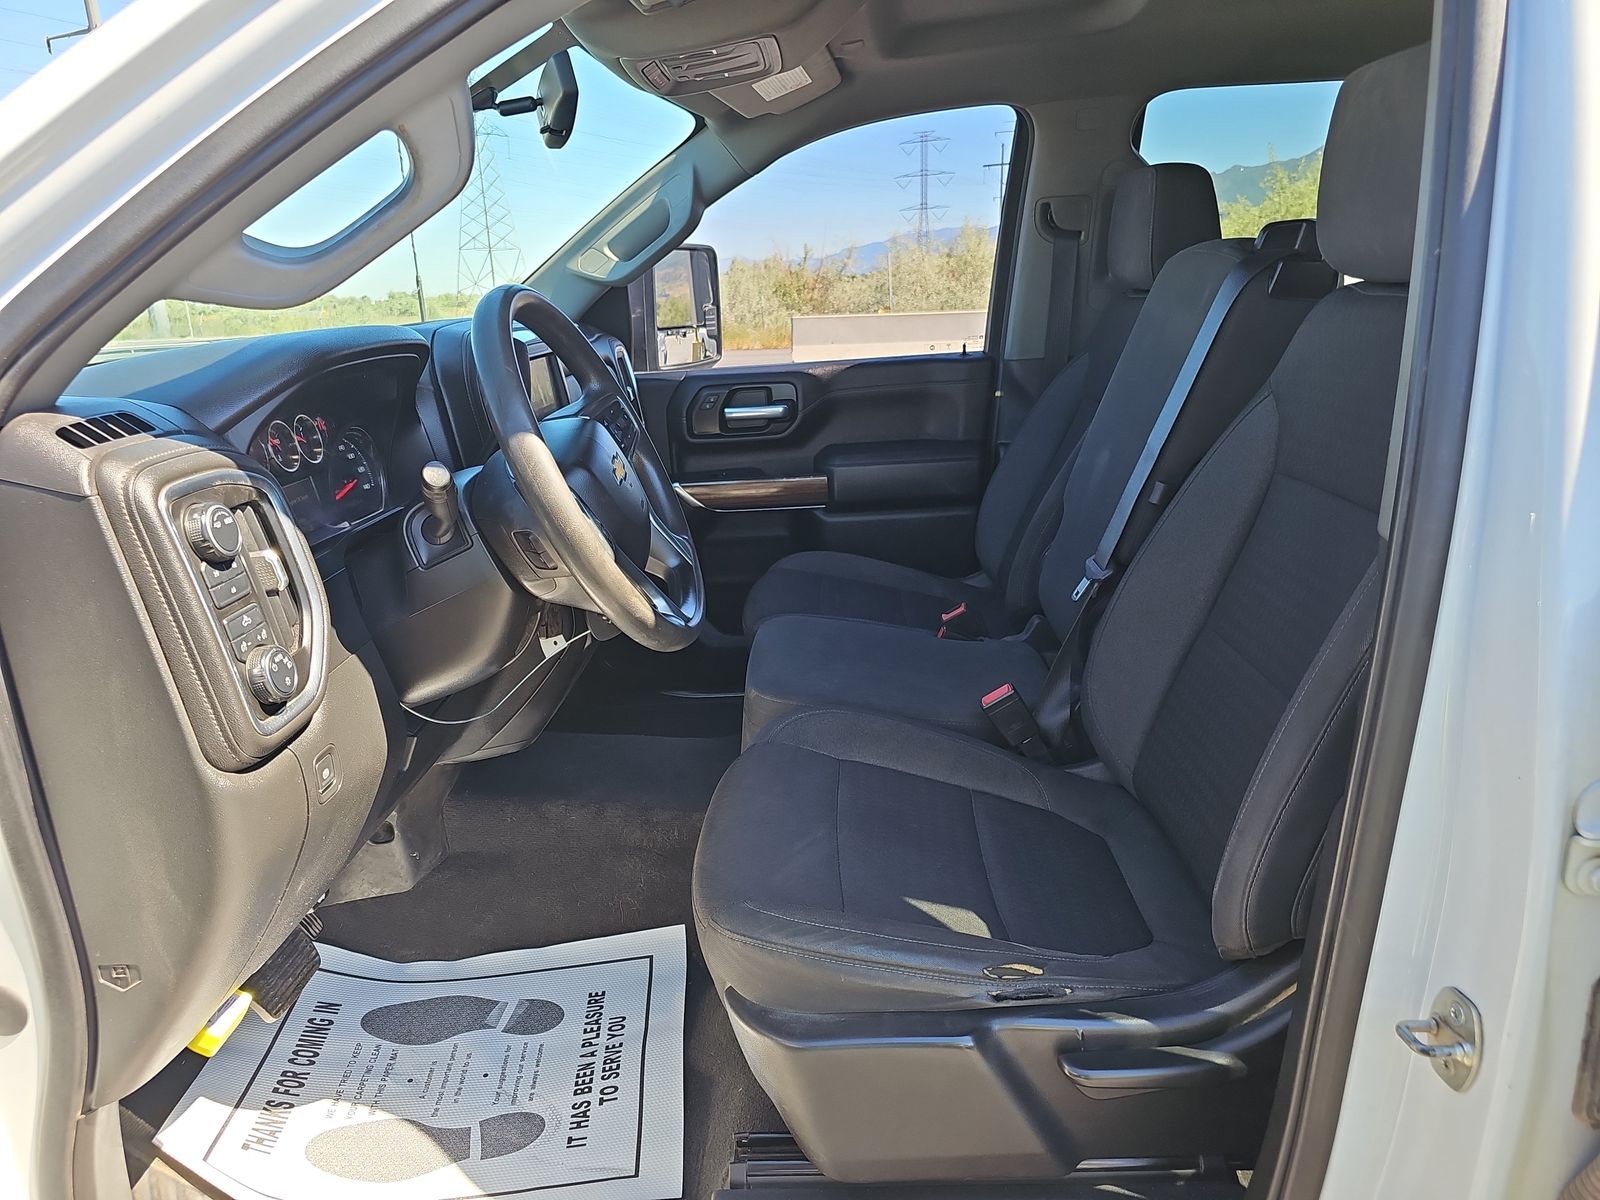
(1004, 163)
(922, 213)
(487, 253)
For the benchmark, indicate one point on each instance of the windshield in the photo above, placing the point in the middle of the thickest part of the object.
(522, 202)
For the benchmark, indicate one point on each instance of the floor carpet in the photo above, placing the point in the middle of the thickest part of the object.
(579, 836)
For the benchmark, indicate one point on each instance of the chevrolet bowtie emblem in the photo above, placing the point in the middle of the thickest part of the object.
(618, 467)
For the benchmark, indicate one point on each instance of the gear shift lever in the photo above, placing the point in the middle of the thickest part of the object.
(443, 502)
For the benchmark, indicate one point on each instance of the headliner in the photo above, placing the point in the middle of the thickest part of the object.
(905, 56)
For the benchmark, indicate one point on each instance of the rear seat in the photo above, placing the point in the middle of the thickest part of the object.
(804, 661)
(1157, 211)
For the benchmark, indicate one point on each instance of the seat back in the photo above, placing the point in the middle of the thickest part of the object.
(1252, 336)
(1224, 680)
(1156, 212)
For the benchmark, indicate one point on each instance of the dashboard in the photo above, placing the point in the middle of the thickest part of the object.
(261, 700)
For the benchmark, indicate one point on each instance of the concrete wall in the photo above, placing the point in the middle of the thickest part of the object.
(882, 335)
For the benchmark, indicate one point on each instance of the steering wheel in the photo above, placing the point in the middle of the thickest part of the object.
(601, 501)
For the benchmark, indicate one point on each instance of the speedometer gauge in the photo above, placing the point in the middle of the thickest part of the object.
(355, 482)
(308, 437)
(282, 450)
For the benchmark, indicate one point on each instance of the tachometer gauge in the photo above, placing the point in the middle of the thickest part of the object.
(283, 451)
(308, 437)
(355, 481)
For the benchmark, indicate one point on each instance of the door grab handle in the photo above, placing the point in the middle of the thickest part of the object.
(753, 413)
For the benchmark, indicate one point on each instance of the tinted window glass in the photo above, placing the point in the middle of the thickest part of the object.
(1261, 143)
(875, 242)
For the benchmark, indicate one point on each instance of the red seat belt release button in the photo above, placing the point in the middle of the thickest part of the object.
(1013, 721)
(955, 624)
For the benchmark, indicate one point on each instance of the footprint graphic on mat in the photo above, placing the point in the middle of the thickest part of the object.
(440, 1018)
(396, 1149)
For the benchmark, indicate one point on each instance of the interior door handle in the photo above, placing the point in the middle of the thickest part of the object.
(756, 414)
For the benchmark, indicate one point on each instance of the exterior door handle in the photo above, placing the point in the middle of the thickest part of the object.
(756, 414)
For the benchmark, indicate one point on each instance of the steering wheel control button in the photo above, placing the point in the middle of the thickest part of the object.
(272, 675)
(213, 532)
(538, 557)
(230, 591)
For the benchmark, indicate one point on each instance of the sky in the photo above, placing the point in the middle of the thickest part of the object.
(849, 189)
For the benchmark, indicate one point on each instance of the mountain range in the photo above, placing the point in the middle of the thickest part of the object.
(1238, 182)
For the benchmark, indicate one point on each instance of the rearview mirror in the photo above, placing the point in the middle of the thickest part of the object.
(558, 100)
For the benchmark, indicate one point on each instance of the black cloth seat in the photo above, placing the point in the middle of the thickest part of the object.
(1157, 211)
(802, 662)
(835, 658)
(913, 860)
(851, 586)
(854, 863)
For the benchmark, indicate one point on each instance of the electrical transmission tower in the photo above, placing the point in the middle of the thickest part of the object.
(1004, 164)
(922, 213)
(487, 254)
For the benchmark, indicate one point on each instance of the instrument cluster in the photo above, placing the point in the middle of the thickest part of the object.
(332, 476)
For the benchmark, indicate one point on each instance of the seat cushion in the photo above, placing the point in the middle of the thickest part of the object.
(829, 584)
(854, 862)
(800, 662)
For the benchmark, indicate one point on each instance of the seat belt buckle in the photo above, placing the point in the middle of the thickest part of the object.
(1013, 721)
(958, 625)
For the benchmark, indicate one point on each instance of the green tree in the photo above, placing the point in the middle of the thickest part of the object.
(759, 296)
(1290, 195)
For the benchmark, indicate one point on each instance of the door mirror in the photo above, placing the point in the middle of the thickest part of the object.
(676, 309)
(558, 99)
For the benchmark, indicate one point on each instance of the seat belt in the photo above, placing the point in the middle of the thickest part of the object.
(1099, 566)
(1059, 697)
(1064, 245)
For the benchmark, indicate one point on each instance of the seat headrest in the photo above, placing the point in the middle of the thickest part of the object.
(1372, 169)
(1156, 212)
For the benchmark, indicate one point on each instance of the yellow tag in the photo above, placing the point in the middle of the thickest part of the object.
(221, 1025)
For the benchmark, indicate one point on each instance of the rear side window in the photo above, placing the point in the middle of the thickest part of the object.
(1262, 144)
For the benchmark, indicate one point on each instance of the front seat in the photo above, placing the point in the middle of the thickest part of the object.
(945, 961)
(1156, 212)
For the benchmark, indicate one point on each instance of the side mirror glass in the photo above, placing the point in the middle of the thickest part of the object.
(677, 309)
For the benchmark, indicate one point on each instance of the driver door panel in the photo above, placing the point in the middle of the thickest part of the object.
(881, 457)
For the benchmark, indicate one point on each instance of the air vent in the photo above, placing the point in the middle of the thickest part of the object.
(97, 431)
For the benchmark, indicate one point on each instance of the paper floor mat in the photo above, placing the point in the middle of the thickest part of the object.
(554, 1070)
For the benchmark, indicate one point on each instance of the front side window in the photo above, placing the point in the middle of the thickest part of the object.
(1262, 144)
(875, 242)
(522, 202)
